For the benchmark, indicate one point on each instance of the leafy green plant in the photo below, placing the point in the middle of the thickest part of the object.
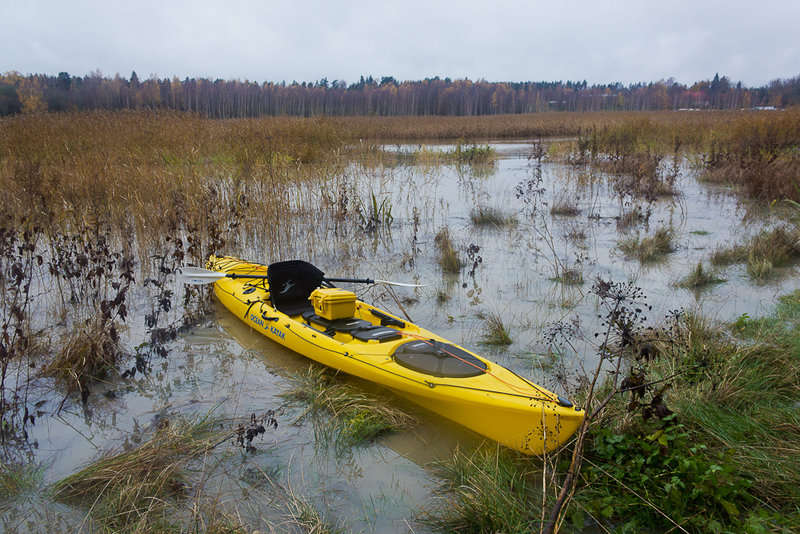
(661, 480)
(375, 216)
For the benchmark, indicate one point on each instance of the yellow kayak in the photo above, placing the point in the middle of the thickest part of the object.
(306, 314)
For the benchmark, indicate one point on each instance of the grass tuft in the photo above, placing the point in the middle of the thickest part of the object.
(87, 354)
(449, 259)
(488, 216)
(16, 480)
(699, 278)
(763, 253)
(631, 218)
(648, 249)
(496, 332)
(488, 490)
(565, 205)
(355, 419)
(128, 490)
(570, 276)
(473, 154)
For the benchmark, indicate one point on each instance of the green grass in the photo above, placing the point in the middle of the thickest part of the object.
(488, 490)
(16, 480)
(730, 462)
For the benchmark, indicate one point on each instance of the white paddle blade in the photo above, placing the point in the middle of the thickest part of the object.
(401, 284)
(198, 276)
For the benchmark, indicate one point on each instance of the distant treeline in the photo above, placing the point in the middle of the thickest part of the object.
(371, 96)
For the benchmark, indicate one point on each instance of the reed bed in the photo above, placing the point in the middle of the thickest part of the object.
(757, 151)
(88, 199)
(536, 125)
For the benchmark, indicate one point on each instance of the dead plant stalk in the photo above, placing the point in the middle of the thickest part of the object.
(568, 488)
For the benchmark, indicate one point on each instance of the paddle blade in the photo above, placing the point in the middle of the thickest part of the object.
(198, 276)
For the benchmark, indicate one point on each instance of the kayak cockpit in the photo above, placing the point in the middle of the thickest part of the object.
(298, 289)
(435, 358)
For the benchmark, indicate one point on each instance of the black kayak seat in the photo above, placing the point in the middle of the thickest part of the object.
(291, 283)
(442, 360)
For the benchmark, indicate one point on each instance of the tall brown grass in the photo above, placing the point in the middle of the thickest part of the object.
(756, 150)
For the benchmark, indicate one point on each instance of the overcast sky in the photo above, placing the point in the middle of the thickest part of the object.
(498, 40)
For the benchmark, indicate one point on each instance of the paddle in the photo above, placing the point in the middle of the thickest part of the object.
(199, 276)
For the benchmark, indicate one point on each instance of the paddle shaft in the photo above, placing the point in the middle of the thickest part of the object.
(264, 276)
(198, 275)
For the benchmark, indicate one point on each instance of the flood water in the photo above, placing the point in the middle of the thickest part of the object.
(221, 366)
